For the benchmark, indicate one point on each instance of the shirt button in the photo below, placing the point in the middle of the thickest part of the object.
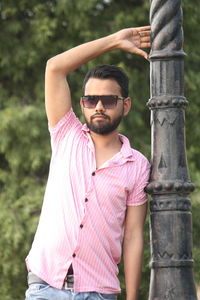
(74, 255)
(81, 226)
(86, 199)
(93, 173)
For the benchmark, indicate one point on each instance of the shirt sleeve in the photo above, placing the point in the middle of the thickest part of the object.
(67, 125)
(138, 196)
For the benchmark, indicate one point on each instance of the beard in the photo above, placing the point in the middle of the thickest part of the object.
(104, 126)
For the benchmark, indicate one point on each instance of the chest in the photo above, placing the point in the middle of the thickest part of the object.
(102, 158)
(104, 155)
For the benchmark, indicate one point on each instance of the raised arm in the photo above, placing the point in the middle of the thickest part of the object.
(57, 92)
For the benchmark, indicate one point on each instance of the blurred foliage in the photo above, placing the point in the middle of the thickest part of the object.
(31, 32)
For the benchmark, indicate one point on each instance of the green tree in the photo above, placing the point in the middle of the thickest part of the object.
(31, 32)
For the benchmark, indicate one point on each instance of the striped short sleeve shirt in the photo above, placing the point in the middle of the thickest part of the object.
(83, 212)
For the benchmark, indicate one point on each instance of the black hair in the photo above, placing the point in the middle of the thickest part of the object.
(109, 72)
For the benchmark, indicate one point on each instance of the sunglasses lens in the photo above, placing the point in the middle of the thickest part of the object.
(89, 101)
(108, 101)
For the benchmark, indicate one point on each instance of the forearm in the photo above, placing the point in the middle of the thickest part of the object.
(130, 39)
(133, 256)
(75, 57)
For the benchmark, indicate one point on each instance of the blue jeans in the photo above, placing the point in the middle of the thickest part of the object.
(38, 291)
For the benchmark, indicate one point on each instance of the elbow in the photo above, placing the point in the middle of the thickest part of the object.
(51, 65)
(133, 238)
(55, 66)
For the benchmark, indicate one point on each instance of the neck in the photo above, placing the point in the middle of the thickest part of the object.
(105, 141)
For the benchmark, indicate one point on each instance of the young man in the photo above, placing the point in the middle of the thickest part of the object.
(94, 198)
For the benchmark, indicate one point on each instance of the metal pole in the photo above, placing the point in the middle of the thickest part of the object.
(170, 185)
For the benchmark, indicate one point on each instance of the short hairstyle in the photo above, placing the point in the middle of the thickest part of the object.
(109, 72)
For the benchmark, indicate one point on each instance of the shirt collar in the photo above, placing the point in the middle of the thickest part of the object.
(126, 150)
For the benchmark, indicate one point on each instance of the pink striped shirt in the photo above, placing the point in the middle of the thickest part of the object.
(82, 217)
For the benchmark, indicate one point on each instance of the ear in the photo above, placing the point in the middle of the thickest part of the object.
(127, 105)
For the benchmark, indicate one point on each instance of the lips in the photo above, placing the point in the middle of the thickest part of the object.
(100, 117)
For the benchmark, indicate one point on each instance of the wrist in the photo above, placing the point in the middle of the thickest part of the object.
(113, 41)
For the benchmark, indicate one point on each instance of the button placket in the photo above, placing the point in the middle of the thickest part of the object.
(81, 225)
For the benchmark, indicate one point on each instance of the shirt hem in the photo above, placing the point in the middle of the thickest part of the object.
(137, 203)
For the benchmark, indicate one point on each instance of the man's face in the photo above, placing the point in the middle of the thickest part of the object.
(99, 119)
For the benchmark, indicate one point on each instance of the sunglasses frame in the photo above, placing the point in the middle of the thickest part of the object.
(101, 98)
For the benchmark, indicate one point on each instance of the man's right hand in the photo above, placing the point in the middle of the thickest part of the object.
(133, 39)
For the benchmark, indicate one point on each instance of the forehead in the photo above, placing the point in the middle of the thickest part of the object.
(96, 86)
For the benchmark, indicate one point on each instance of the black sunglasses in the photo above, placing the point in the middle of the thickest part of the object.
(108, 101)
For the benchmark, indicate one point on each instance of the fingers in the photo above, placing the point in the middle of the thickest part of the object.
(135, 39)
(145, 42)
(143, 28)
(141, 52)
(145, 45)
(144, 37)
(144, 34)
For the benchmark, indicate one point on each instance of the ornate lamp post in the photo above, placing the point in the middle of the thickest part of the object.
(170, 185)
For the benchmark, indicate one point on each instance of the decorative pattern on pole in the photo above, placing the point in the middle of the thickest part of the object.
(170, 185)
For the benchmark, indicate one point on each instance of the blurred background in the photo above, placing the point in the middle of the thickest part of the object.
(32, 31)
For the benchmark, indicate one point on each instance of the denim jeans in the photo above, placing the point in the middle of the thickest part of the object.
(38, 291)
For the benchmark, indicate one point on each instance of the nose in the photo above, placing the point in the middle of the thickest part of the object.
(99, 106)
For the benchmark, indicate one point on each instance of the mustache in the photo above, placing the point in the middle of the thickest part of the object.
(100, 114)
